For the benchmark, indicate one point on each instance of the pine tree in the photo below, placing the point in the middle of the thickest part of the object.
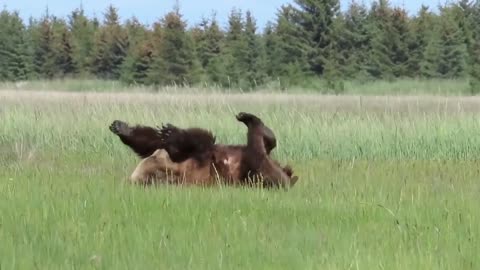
(4, 45)
(156, 64)
(255, 54)
(430, 58)
(464, 15)
(423, 36)
(398, 42)
(136, 31)
(82, 32)
(475, 68)
(354, 41)
(316, 18)
(336, 57)
(287, 53)
(110, 47)
(453, 50)
(13, 47)
(379, 28)
(31, 37)
(235, 50)
(137, 64)
(62, 48)
(208, 39)
(174, 62)
(139, 56)
(44, 58)
(199, 36)
(475, 52)
(271, 43)
(215, 68)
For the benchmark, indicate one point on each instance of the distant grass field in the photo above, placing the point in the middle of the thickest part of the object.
(451, 87)
(385, 183)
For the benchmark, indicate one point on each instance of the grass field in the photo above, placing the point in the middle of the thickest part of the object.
(451, 87)
(385, 183)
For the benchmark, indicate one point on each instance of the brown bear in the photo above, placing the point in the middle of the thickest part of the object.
(191, 155)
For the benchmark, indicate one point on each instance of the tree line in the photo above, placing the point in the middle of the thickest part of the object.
(308, 39)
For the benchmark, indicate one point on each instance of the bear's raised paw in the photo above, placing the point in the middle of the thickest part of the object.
(119, 128)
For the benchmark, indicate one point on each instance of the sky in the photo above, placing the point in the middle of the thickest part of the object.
(148, 11)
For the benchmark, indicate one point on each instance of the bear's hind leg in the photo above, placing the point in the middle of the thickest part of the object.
(276, 176)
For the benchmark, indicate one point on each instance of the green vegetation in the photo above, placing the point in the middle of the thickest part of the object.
(309, 41)
(448, 87)
(385, 183)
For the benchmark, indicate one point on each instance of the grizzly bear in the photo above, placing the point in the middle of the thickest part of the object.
(192, 156)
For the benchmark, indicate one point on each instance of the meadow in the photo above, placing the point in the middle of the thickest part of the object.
(386, 182)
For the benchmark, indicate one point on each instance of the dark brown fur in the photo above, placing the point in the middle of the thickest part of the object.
(257, 161)
(180, 143)
(195, 149)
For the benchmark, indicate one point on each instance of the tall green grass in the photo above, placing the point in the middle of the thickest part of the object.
(381, 187)
(453, 87)
(400, 128)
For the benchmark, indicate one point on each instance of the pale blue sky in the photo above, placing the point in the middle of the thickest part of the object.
(149, 11)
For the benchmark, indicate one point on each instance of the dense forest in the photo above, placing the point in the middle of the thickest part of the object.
(308, 39)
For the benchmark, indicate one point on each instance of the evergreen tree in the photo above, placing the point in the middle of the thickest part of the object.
(335, 54)
(110, 47)
(208, 39)
(44, 58)
(430, 59)
(82, 32)
(380, 28)
(423, 36)
(255, 54)
(453, 50)
(62, 48)
(175, 61)
(287, 52)
(315, 18)
(136, 32)
(475, 52)
(475, 68)
(199, 36)
(137, 64)
(464, 15)
(4, 45)
(398, 43)
(13, 47)
(235, 50)
(271, 41)
(31, 37)
(354, 41)
(139, 56)
(156, 64)
(214, 67)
